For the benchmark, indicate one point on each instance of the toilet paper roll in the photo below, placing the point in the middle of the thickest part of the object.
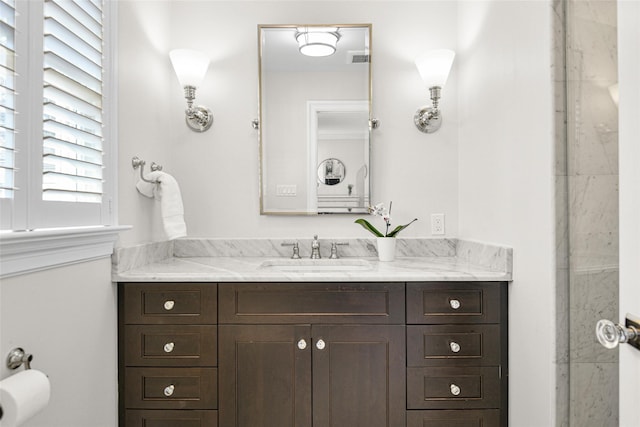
(22, 396)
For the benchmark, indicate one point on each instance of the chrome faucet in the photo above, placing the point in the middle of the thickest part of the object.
(296, 249)
(334, 249)
(315, 248)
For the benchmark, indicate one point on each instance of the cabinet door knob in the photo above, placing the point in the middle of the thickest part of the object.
(455, 390)
(302, 344)
(168, 390)
(168, 347)
(320, 344)
(169, 304)
(454, 303)
(455, 347)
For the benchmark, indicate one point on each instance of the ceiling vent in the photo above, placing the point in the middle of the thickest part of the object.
(357, 57)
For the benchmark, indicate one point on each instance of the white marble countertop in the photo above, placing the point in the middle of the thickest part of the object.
(251, 269)
(203, 260)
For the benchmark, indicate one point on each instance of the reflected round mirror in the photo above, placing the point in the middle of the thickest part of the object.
(314, 118)
(331, 172)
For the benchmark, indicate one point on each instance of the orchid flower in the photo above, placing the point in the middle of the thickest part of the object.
(379, 210)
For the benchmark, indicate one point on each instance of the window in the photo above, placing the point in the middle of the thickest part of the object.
(55, 146)
(7, 97)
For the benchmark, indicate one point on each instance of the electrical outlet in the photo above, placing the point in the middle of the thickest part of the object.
(437, 224)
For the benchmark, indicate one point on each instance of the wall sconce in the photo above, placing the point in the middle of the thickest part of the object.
(434, 69)
(317, 41)
(190, 67)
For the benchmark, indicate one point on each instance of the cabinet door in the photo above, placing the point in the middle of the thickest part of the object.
(265, 376)
(359, 375)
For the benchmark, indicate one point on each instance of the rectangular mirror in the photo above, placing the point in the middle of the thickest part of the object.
(315, 110)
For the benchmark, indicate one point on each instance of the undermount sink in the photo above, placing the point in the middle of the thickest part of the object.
(316, 265)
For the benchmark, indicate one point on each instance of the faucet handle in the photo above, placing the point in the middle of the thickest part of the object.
(296, 249)
(334, 249)
(315, 248)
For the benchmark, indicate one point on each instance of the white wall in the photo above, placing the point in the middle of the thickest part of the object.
(629, 68)
(66, 317)
(146, 91)
(506, 179)
(218, 170)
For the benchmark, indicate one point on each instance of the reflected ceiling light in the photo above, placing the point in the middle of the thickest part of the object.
(190, 67)
(317, 41)
(434, 69)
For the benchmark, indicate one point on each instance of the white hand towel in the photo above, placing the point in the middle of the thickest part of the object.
(168, 192)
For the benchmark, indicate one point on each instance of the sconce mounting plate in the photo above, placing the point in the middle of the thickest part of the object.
(427, 119)
(199, 119)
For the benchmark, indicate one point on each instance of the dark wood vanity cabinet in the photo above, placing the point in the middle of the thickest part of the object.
(457, 364)
(312, 354)
(419, 354)
(168, 354)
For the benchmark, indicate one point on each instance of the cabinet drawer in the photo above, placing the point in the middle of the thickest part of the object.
(453, 388)
(160, 418)
(288, 303)
(171, 345)
(459, 345)
(171, 388)
(466, 418)
(457, 302)
(170, 303)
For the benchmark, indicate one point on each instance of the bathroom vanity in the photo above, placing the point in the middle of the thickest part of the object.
(257, 347)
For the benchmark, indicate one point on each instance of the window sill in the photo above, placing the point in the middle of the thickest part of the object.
(23, 252)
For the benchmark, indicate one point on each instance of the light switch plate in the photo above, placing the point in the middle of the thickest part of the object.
(286, 190)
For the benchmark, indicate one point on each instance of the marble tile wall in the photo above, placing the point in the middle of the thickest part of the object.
(586, 210)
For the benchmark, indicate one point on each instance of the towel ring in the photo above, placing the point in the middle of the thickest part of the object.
(137, 162)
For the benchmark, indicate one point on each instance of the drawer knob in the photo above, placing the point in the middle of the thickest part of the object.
(454, 303)
(455, 390)
(169, 304)
(168, 347)
(302, 344)
(320, 344)
(168, 390)
(455, 347)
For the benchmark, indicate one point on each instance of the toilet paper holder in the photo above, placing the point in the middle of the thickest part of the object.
(17, 357)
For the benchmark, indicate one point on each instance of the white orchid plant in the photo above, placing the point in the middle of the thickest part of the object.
(379, 210)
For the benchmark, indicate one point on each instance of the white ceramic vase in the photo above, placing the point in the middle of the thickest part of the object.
(386, 248)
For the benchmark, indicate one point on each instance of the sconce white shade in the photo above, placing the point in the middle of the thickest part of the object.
(434, 67)
(317, 41)
(190, 66)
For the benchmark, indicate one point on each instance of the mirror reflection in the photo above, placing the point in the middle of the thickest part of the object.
(331, 172)
(314, 118)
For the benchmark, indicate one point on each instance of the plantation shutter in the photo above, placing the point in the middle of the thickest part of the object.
(7, 98)
(73, 101)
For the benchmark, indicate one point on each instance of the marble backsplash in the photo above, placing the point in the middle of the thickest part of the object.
(489, 256)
